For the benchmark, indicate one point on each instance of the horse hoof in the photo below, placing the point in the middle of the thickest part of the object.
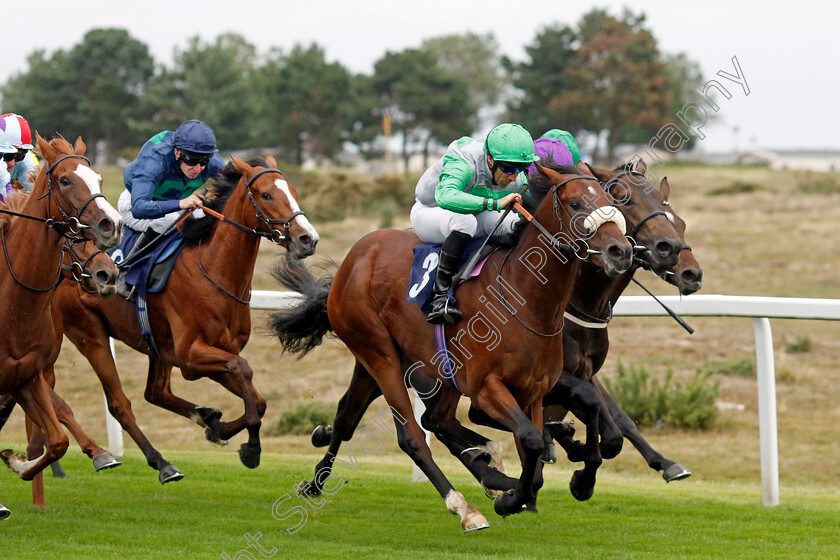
(549, 455)
(250, 455)
(4, 512)
(505, 504)
(15, 460)
(474, 522)
(321, 436)
(214, 437)
(207, 414)
(580, 489)
(105, 461)
(675, 472)
(531, 507)
(169, 474)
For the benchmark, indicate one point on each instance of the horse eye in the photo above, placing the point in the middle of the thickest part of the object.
(576, 205)
(64, 181)
(265, 196)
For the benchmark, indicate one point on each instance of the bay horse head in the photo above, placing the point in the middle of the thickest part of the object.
(687, 275)
(75, 194)
(275, 203)
(650, 220)
(588, 221)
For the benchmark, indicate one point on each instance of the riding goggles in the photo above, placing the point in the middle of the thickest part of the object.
(16, 156)
(512, 168)
(192, 158)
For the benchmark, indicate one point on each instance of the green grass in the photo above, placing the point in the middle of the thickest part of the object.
(379, 513)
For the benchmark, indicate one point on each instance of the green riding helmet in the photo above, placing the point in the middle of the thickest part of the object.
(568, 139)
(510, 143)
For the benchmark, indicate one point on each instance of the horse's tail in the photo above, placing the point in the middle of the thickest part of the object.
(302, 327)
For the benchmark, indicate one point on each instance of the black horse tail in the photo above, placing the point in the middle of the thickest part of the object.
(302, 327)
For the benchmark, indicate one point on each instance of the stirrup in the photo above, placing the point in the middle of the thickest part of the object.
(444, 314)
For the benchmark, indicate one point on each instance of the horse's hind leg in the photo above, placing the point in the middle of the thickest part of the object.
(94, 346)
(34, 399)
(362, 391)
(670, 470)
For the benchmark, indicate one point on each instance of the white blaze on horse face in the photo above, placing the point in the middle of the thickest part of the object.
(603, 215)
(670, 217)
(92, 179)
(301, 220)
(593, 191)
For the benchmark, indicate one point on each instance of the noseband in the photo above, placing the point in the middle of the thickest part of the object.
(276, 236)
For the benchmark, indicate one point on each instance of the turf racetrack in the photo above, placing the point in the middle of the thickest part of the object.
(379, 513)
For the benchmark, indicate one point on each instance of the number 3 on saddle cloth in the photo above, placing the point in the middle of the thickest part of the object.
(424, 268)
(148, 274)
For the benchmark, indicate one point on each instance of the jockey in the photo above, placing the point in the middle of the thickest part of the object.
(9, 152)
(461, 195)
(568, 139)
(170, 167)
(24, 166)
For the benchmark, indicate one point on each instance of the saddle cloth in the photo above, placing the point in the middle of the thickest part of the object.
(149, 273)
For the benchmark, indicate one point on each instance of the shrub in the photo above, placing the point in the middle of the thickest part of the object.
(303, 418)
(742, 367)
(738, 187)
(651, 402)
(819, 183)
(801, 345)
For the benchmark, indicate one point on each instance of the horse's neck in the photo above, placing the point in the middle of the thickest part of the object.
(234, 251)
(33, 251)
(546, 289)
(595, 292)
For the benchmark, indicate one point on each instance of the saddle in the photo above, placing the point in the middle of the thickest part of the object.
(147, 275)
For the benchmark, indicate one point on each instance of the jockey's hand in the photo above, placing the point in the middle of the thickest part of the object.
(190, 202)
(509, 200)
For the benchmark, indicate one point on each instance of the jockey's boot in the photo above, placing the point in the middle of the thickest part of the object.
(146, 238)
(450, 259)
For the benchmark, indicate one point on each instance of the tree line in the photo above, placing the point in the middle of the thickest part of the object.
(604, 76)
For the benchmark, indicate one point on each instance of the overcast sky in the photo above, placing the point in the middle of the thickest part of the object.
(787, 50)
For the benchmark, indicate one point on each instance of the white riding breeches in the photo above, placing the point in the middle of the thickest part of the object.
(159, 225)
(433, 224)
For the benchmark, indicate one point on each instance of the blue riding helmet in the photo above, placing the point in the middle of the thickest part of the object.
(195, 136)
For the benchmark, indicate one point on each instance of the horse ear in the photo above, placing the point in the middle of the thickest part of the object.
(665, 188)
(549, 174)
(641, 166)
(45, 150)
(243, 167)
(80, 147)
(271, 161)
(584, 167)
(603, 175)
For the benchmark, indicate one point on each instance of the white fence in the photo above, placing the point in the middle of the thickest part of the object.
(759, 309)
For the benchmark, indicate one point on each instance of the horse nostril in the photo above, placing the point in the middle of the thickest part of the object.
(617, 252)
(103, 278)
(665, 249)
(106, 226)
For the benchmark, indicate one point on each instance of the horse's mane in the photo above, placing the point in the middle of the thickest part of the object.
(15, 203)
(217, 196)
(538, 188)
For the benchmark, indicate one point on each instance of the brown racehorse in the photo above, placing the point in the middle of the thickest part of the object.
(95, 273)
(507, 357)
(66, 201)
(202, 320)
(585, 350)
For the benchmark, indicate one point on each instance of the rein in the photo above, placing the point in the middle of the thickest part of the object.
(560, 245)
(72, 224)
(275, 235)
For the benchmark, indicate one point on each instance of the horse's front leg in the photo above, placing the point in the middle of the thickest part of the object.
(233, 373)
(495, 399)
(34, 399)
(579, 395)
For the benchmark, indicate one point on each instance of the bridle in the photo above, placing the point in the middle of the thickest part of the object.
(556, 208)
(276, 236)
(77, 268)
(72, 227)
